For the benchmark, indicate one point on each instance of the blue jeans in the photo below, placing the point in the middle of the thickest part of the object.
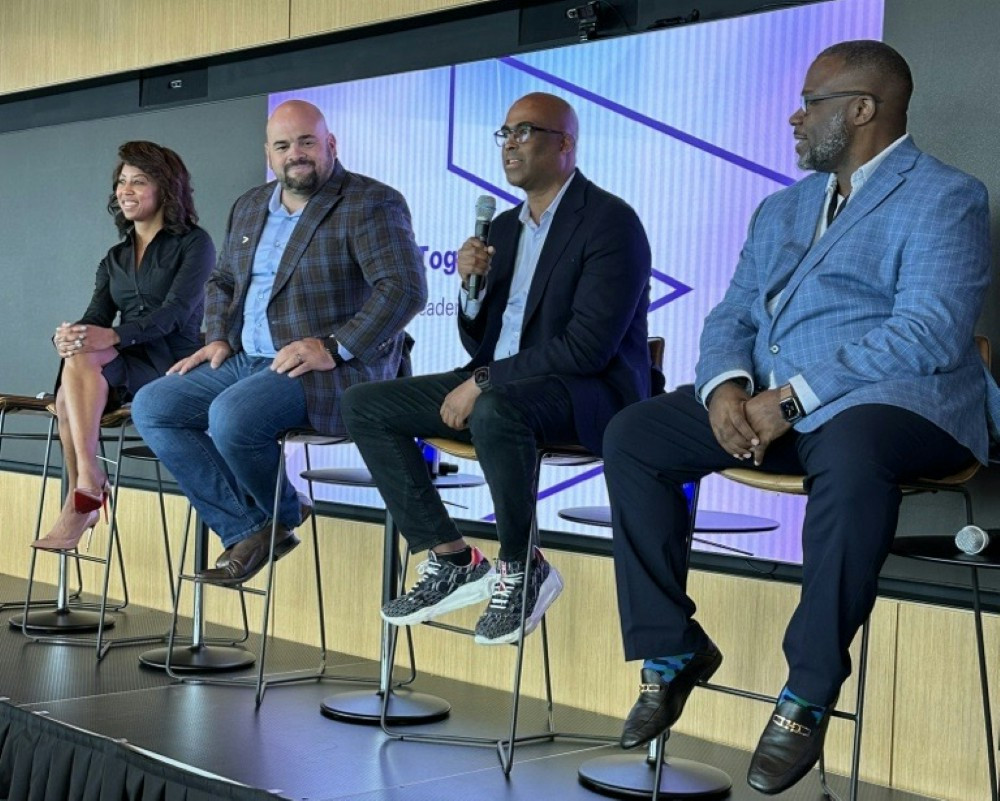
(217, 432)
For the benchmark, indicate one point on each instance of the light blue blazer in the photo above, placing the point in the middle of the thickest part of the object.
(880, 310)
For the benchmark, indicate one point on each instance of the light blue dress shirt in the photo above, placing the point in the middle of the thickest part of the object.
(256, 335)
(529, 248)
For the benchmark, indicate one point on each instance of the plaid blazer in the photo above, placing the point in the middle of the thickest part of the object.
(881, 309)
(351, 268)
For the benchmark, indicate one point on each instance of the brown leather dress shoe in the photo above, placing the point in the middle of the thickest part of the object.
(660, 703)
(305, 512)
(790, 745)
(248, 556)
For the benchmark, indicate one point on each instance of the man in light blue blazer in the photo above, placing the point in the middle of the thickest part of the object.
(843, 349)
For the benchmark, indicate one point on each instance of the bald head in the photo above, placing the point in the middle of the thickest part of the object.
(300, 148)
(542, 163)
(875, 67)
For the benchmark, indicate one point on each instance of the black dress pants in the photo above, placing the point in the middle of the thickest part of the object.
(507, 425)
(853, 465)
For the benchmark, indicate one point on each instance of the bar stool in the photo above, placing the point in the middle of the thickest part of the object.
(504, 745)
(32, 405)
(393, 703)
(637, 776)
(55, 626)
(262, 681)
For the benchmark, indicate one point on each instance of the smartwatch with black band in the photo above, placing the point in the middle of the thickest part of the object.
(788, 401)
(333, 348)
(481, 375)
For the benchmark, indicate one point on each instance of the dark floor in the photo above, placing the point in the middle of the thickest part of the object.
(288, 746)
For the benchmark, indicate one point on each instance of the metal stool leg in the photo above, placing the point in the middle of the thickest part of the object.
(180, 661)
(656, 775)
(390, 703)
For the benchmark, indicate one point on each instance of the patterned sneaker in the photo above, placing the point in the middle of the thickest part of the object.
(442, 588)
(502, 619)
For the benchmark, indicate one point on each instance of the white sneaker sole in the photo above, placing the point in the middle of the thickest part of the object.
(466, 595)
(547, 594)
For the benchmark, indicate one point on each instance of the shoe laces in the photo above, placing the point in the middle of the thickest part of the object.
(506, 583)
(428, 569)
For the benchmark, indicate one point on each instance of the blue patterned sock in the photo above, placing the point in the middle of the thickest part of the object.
(816, 711)
(668, 666)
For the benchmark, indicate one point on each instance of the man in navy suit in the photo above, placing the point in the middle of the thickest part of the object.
(558, 346)
(843, 349)
(318, 275)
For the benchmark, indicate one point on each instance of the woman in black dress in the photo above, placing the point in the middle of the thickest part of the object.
(153, 281)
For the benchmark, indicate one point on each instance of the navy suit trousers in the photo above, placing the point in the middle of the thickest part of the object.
(853, 464)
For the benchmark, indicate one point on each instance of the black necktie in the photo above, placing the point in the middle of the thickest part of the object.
(834, 208)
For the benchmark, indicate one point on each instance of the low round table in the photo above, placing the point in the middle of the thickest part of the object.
(402, 706)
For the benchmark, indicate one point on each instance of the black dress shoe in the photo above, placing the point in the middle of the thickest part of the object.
(248, 556)
(790, 745)
(660, 703)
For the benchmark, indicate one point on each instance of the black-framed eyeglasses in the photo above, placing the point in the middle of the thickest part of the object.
(521, 133)
(808, 100)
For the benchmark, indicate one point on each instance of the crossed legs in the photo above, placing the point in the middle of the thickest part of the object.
(80, 402)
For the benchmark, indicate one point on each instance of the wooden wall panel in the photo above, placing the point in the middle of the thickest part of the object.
(44, 42)
(924, 728)
(309, 17)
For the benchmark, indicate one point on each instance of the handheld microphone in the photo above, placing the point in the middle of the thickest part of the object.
(973, 540)
(486, 207)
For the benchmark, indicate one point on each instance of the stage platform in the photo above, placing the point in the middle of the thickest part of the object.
(183, 741)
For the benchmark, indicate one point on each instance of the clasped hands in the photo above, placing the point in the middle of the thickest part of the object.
(73, 338)
(745, 426)
(295, 359)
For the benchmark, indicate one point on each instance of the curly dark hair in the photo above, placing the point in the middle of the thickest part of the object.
(167, 171)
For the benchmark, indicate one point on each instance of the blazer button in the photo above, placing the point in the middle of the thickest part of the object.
(775, 348)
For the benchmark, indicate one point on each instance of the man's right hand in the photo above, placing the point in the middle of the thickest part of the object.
(473, 259)
(214, 352)
(727, 416)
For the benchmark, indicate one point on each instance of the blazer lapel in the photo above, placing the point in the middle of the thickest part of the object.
(316, 210)
(792, 253)
(564, 224)
(887, 177)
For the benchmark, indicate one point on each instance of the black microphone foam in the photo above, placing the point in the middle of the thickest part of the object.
(486, 207)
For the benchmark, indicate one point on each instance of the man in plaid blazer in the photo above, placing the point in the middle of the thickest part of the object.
(318, 275)
(843, 350)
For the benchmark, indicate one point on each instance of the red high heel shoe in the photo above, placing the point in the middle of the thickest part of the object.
(90, 500)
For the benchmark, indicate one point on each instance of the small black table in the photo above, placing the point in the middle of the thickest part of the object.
(941, 549)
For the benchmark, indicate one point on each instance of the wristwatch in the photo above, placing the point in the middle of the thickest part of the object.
(481, 375)
(788, 401)
(333, 348)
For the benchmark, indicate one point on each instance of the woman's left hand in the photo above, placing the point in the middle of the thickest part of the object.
(74, 338)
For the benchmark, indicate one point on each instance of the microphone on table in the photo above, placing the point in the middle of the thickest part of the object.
(973, 540)
(486, 207)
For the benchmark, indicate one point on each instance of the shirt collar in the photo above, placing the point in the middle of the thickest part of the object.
(865, 171)
(274, 204)
(525, 214)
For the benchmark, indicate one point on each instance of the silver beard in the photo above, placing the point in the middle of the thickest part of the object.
(826, 154)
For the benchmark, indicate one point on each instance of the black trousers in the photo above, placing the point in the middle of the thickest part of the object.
(507, 425)
(853, 466)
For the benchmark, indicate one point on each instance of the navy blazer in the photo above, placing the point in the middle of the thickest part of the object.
(585, 317)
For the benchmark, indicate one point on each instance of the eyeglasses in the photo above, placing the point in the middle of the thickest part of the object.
(521, 133)
(808, 100)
